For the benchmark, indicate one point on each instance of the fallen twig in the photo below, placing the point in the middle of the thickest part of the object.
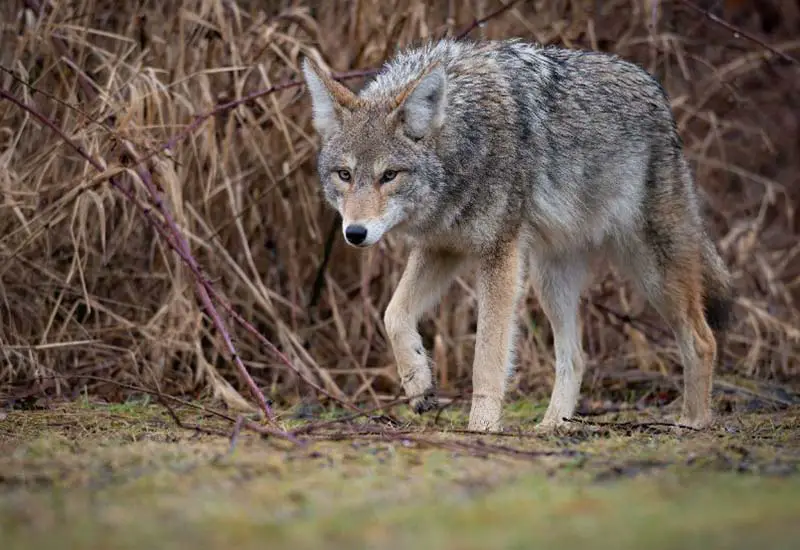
(181, 424)
(629, 425)
(308, 428)
(237, 428)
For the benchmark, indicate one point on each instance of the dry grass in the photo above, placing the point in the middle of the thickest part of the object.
(88, 287)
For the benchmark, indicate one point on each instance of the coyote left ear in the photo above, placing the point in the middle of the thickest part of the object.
(329, 99)
(422, 104)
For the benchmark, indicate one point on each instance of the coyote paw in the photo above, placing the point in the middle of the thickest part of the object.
(426, 402)
(698, 423)
(485, 415)
(553, 426)
(553, 421)
(418, 385)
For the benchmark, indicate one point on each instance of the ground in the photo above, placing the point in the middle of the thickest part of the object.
(88, 476)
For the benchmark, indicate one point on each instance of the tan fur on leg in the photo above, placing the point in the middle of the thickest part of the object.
(425, 278)
(680, 301)
(498, 289)
(699, 350)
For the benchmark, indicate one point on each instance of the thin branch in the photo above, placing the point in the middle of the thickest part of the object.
(183, 425)
(50, 124)
(271, 347)
(308, 428)
(221, 108)
(737, 31)
(481, 22)
(319, 280)
(263, 430)
(624, 318)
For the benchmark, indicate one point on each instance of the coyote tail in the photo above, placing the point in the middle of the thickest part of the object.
(718, 301)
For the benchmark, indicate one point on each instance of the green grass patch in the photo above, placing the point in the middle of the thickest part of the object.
(90, 476)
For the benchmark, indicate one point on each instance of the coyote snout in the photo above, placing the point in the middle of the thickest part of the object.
(364, 233)
(367, 215)
(356, 234)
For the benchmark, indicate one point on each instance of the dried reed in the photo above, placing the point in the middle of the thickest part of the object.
(196, 102)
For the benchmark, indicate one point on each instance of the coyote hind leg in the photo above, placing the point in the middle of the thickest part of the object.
(698, 347)
(673, 285)
(682, 304)
(558, 282)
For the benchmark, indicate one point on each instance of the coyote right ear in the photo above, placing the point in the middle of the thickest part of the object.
(329, 99)
(422, 104)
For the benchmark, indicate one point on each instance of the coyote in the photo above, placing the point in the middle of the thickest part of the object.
(522, 161)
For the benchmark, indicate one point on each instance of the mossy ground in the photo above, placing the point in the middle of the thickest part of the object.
(125, 476)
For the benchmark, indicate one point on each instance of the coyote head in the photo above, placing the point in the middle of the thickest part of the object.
(376, 162)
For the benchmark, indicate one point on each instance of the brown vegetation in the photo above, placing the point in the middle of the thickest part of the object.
(89, 287)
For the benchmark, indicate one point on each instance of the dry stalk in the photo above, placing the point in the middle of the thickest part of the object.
(173, 237)
(97, 293)
(176, 239)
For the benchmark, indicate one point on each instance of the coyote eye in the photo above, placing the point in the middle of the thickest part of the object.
(344, 175)
(388, 176)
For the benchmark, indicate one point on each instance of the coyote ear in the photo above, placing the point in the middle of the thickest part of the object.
(329, 99)
(422, 104)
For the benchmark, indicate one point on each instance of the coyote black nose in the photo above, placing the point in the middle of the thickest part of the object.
(355, 234)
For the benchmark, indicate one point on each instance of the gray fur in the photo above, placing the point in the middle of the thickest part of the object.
(568, 153)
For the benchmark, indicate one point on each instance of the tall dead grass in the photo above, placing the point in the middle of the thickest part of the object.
(89, 288)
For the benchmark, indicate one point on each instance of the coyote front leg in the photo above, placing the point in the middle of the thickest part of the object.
(426, 276)
(498, 290)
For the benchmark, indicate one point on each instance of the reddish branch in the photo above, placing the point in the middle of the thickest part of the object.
(205, 287)
(175, 239)
(172, 234)
(180, 245)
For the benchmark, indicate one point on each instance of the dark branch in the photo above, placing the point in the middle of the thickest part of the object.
(737, 31)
